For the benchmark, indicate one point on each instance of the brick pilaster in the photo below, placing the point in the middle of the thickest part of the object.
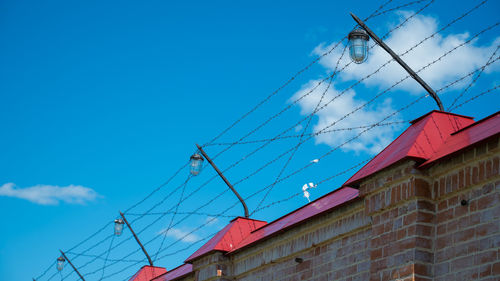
(403, 214)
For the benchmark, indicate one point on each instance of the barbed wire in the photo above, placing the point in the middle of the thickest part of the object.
(317, 184)
(317, 59)
(400, 7)
(173, 216)
(309, 134)
(467, 75)
(476, 96)
(295, 172)
(236, 163)
(181, 213)
(490, 59)
(432, 62)
(380, 122)
(304, 129)
(228, 129)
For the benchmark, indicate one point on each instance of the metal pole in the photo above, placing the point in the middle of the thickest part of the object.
(400, 61)
(136, 239)
(224, 179)
(74, 268)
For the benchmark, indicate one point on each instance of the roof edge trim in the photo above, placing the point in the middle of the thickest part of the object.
(475, 123)
(439, 111)
(295, 225)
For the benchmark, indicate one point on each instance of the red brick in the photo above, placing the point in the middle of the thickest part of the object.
(485, 270)
(468, 181)
(489, 169)
(442, 205)
(486, 257)
(442, 190)
(422, 188)
(461, 263)
(481, 171)
(487, 201)
(460, 211)
(425, 217)
(454, 182)
(441, 230)
(376, 254)
(496, 268)
(475, 175)
(423, 269)
(409, 219)
(406, 270)
(463, 235)
(496, 164)
(487, 229)
(461, 179)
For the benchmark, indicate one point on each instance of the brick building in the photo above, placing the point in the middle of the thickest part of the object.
(426, 208)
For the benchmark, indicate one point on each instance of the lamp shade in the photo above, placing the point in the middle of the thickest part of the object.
(119, 227)
(358, 45)
(60, 263)
(196, 163)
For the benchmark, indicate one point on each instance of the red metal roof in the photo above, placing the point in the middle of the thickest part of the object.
(320, 205)
(175, 273)
(468, 136)
(421, 140)
(147, 272)
(229, 237)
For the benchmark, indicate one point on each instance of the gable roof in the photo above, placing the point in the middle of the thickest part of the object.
(229, 237)
(147, 272)
(420, 141)
(472, 134)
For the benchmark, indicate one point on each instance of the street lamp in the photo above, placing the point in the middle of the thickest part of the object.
(60, 263)
(119, 226)
(358, 45)
(358, 51)
(196, 163)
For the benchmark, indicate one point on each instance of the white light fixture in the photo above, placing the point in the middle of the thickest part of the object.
(119, 227)
(196, 163)
(60, 263)
(358, 45)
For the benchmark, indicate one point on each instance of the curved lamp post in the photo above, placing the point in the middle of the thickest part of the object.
(196, 162)
(119, 229)
(358, 51)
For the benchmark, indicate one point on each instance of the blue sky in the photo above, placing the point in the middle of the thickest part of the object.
(101, 102)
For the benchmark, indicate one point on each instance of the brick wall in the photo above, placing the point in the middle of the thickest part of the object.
(331, 247)
(409, 224)
(467, 193)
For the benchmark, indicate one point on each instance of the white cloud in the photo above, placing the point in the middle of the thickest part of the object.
(180, 234)
(372, 141)
(50, 194)
(458, 63)
(211, 220)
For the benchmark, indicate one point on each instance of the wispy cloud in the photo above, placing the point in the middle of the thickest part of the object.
(182, 235)
(451, 67)
(211, 220)
(50, 194)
